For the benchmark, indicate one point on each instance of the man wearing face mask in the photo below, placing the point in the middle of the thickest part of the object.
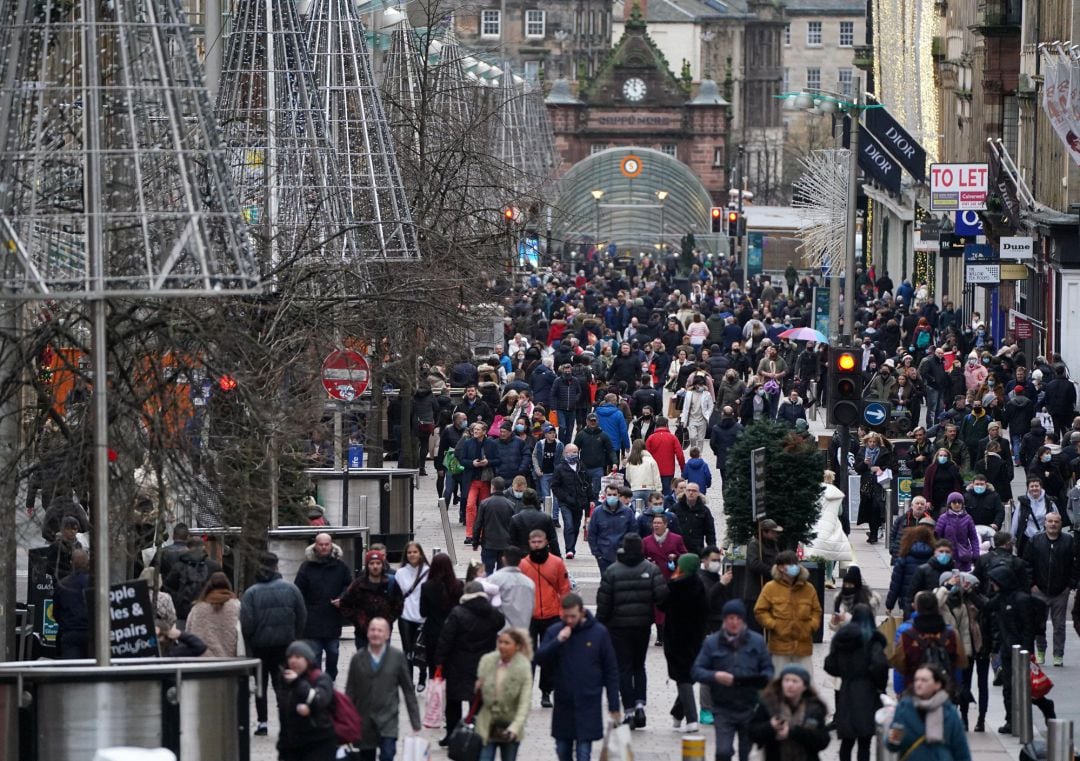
(572, 486)
(566, 391)
(516, 492)
(927, 575)
(609, 523)
(789, 612)
(552, 583)
(446, 482)
(982, 502)
(1050, 557)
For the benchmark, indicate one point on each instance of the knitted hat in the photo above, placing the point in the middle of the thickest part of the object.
(734, 608)
(954, 496)
(688, 563)
(796, 670)
(303, 649)
(374, 555)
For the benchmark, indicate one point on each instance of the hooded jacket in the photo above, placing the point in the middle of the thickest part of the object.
(628, 591)
(613, 423)
(790, 611)
(697, 471)
(830, 542)
(321, 580)
(959, 529)
(470, 630)
(745, 657)
(722, 437)
(904, 572)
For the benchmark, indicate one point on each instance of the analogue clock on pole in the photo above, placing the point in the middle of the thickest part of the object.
(634, 89)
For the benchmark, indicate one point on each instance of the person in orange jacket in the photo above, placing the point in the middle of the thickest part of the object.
(552, 582)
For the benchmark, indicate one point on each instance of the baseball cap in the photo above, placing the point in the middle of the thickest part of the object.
(592, 416)
(770, 525)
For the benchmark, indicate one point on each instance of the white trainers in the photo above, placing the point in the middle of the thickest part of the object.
(690, 728)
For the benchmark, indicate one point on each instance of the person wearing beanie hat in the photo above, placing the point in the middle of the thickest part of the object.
(957, 525)
(272, 614)
(374, 593)
(684, 627)
(733, 664)
(630, 589)
(322, 580)
(306, 702)
(789, 722)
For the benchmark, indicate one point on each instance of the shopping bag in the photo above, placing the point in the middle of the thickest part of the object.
(888, 628)
(615, 478)
(617, 744)
(435, 701)
(1040, 682)
(416, 749)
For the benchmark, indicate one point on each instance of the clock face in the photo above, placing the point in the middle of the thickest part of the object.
(634, 89)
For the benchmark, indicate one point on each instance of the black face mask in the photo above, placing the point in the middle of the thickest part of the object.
(539, 556)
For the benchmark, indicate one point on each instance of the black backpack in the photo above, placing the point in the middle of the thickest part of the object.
(193, 577)
(934, 652)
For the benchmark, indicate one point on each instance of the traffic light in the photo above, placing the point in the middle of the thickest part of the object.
(845, 387)
(716, 214)
(734, 222)
(226, 412)
(508, 215)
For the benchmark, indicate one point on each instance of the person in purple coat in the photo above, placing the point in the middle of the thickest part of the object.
(956, 525)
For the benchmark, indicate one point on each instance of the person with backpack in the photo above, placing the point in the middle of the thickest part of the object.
(187, 578)
(1029, 518)
(926, 640)
(376, 674)
(307, 701)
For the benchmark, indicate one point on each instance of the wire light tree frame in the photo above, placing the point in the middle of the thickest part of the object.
(358, 131)
(822, 191)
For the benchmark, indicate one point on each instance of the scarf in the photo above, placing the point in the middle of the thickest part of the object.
(935, 715)
(734, 640)
(794, 716)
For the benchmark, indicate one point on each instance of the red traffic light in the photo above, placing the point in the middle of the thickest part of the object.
(227, 383)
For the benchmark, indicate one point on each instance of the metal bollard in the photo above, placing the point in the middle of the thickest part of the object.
(1021, 695)
(1059, 740)
(888, 516)
(549, 505)
(693, 748)
(639, 505)
(448, 535)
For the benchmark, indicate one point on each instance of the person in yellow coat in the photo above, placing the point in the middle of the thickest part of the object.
(789, 612)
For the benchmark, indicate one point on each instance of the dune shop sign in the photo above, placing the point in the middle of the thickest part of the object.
(897, 141)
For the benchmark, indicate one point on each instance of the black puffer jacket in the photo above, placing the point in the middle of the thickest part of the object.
(272, 612)
(572, 488)
(697, 524)
(530, 519)
(321, 580)
(628, 591)
(300, 731)
(470, 631)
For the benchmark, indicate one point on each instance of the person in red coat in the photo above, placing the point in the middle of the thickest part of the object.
(663, 548)
(665, 448)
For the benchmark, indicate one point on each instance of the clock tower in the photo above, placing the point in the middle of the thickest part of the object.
(635, 100)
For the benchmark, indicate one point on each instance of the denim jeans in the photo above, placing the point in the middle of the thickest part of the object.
(571, 527)
(490, 559)
(565, 419)
(1016, 440)
(933, 404)
(545, 492)
(565, 750)
(509, 751)
(729, 725)
(665, 484)
(387, 750)
(331, 646)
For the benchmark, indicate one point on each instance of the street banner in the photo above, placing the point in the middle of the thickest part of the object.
(1003, 186)
(890, 134)
(132, 633)
(1055, 97)
(877, 163)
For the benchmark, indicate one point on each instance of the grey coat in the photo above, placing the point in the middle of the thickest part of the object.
(374, 693)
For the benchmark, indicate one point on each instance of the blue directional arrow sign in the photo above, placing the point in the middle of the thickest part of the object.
(875, 413)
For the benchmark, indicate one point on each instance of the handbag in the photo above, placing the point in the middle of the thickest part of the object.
(465, 743)
(888, 629)
(1040, 681)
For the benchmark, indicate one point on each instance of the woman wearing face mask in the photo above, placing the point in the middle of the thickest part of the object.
(941, 479)
(857, 658)
(956, 601)
(975, 373)
(1048, 467)
(956, 525)
(789, 721)
(925, 725)
(852, 592)
(916, 549)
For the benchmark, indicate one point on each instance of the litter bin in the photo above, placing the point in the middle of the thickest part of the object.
(381, 499)
(67, 710)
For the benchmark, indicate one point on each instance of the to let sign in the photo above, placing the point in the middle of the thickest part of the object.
(958, 187)
(345, 375)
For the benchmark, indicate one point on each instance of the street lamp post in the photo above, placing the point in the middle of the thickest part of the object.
(662, 195)
(597, 195)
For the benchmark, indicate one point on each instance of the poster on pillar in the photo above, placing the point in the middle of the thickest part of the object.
(821, 310)
(755, 243)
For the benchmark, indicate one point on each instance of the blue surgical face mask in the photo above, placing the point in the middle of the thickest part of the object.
(943, 558)
(979, 489)
(611, 500)
(517, 494)
(572, 458)
(1045, 458)
(792, 570)
(463, 425)
(519, 429)
(942, 460)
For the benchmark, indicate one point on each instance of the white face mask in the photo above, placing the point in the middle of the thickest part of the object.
(714, 566)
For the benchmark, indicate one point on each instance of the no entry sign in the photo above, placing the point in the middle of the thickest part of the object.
(345, 375)
(958, 187)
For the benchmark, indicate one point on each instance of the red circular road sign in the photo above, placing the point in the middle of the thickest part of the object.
(345, 375)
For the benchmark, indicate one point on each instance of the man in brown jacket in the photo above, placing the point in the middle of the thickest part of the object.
(789, 612)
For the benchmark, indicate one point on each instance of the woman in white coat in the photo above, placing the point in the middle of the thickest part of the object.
(642, 472)
(830, 542)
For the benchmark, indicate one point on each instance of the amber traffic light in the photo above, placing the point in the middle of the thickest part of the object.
(845, 388)
(716, 215)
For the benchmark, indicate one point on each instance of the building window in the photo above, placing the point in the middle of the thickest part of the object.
(670, 149)
(813, 78)
(787, 79)
(1010, 122)
(490, 24)
(597, 147)
(847, 34)
(532, 71)
(718, 156)
(813, 33)
(787, 35)
(592, 23)
(534, 24)
(844, 80)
